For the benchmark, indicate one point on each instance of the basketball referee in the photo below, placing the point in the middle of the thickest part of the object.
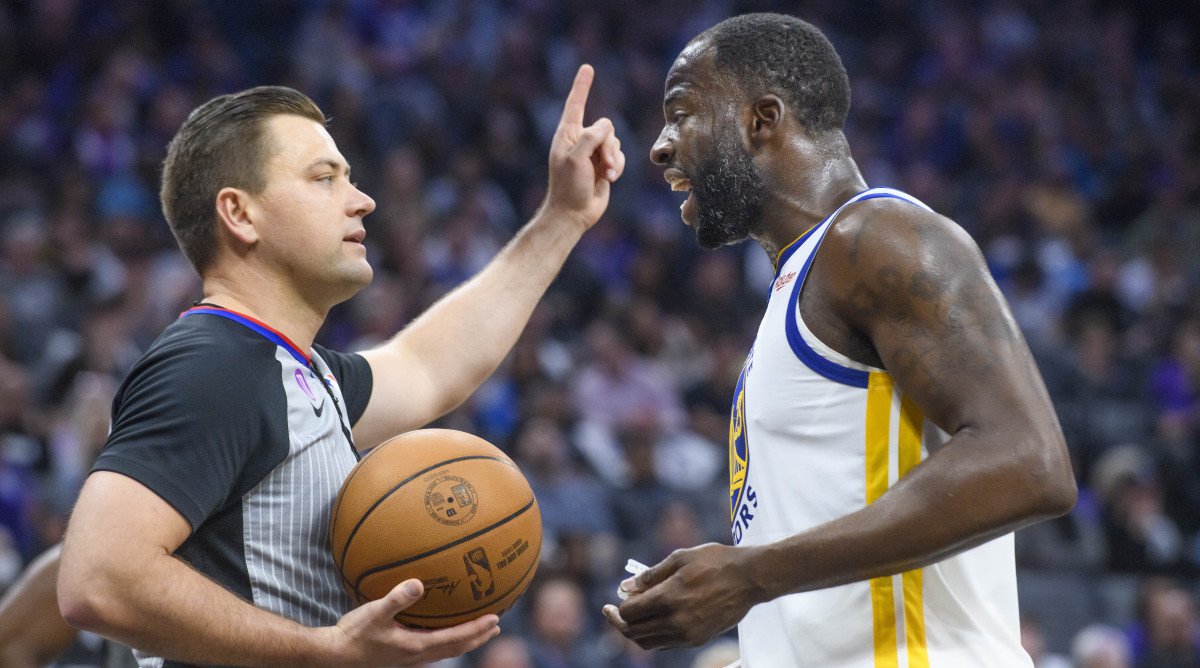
(201, 535)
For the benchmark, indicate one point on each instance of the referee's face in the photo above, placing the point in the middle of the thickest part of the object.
(310, 232)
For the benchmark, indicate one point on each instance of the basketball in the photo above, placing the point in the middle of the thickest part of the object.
(447, 508)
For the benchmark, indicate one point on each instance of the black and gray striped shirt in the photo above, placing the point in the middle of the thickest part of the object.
(225, 419)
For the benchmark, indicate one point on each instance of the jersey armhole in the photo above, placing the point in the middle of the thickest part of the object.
(809, 349)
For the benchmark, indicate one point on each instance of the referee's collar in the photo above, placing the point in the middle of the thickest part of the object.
(257, 325)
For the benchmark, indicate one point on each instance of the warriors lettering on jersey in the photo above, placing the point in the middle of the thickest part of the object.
(742, 500)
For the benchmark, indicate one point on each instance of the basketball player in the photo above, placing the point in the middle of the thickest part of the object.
(889, 430)
(33, 633)
(201, 535)
(31, 598)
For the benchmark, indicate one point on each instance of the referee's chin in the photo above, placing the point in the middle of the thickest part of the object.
(351, 282)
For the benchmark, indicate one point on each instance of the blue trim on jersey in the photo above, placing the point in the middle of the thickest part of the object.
(274, 336)
(811, 358)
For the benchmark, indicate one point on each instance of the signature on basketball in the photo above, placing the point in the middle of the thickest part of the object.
(443, 584)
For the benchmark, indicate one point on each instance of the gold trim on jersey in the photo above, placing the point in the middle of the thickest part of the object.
(902, 445)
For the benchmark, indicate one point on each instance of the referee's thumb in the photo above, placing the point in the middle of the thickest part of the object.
(403, 595)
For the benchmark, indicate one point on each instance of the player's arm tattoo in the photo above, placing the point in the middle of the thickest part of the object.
(931, 305)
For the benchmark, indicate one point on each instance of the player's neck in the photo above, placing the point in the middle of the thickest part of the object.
(801, 203)
(806, 178)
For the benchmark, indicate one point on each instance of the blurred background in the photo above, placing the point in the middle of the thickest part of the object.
(1064, 136)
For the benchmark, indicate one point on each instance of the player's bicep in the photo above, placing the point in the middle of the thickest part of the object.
(925, 299)
(403, 397)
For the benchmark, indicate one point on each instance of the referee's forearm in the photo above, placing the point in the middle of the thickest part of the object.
(168, 609)
(465, 336)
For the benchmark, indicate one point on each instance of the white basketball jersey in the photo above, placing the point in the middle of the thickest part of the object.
(815, 436)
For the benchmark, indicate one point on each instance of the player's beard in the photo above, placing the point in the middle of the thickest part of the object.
(729, 194)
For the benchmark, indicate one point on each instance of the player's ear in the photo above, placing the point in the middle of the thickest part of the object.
(234, 211)
(766, 119)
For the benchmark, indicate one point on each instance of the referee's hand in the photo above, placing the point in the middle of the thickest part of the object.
(584, 161)
(370, 636)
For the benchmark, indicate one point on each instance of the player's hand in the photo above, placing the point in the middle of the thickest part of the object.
(686, 599)
(370, 636)
(583, 160)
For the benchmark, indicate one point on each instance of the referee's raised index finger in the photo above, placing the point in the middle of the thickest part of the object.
(577, 98)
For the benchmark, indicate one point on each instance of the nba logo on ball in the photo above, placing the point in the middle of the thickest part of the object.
(447, 508)
(479, 571)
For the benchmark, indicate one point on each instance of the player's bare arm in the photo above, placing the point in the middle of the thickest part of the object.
(901, 288)
(926, 304)
(32, 632)
(118, 572)
(441, 357)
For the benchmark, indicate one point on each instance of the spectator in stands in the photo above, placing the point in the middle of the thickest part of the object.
(1166, 635)
(1101, 646)
(506, 652)
(1141, 537)
(558, 627)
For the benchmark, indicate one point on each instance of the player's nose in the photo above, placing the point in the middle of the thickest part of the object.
(663, 150)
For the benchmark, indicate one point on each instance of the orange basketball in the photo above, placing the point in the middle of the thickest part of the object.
(447, 508)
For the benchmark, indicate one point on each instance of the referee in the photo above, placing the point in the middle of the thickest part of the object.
(201, 535)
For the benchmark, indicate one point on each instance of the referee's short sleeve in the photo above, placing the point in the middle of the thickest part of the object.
(193, 425)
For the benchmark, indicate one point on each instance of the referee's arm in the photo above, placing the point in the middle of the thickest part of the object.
(439, 359)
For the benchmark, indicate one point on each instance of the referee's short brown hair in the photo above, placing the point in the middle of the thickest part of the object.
(221, 144)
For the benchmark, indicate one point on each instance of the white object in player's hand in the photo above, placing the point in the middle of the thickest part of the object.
(634, 567)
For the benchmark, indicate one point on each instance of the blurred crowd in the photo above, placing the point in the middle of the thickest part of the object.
(1065, 137)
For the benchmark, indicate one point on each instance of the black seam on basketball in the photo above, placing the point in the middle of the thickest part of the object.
(533, 564)
(337, 508)
(460, 541)
(381, 499)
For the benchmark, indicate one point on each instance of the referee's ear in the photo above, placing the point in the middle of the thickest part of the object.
(236, 214)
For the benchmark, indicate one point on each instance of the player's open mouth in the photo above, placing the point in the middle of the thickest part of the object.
(680, 182)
